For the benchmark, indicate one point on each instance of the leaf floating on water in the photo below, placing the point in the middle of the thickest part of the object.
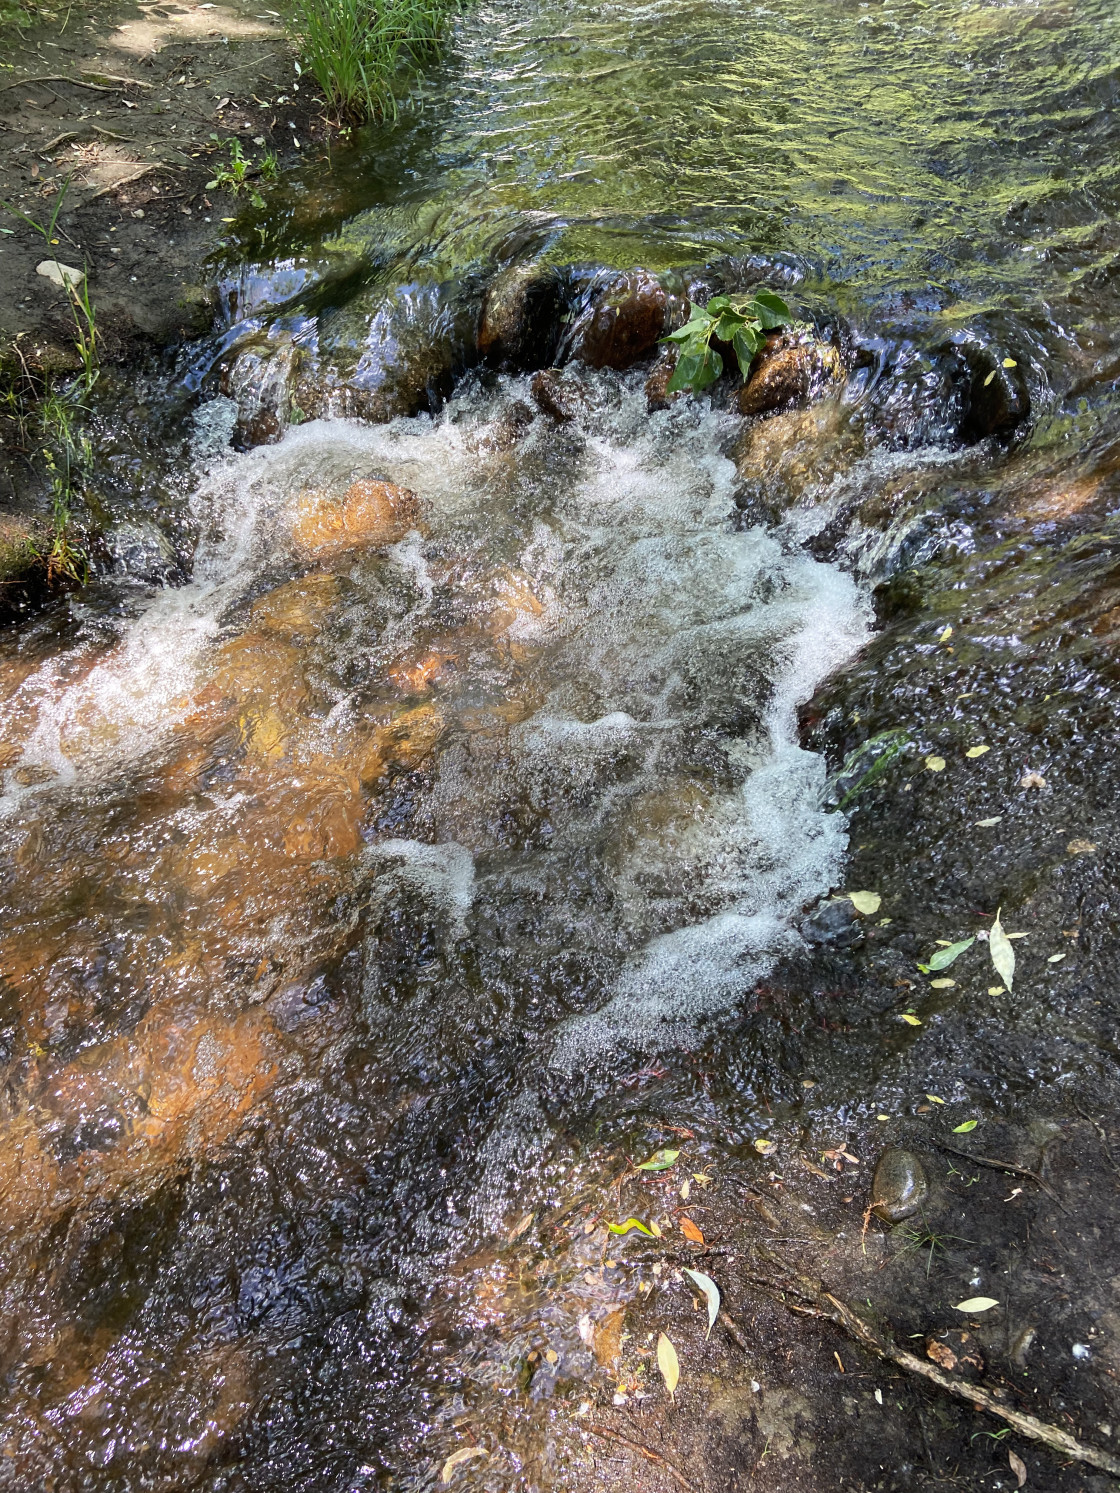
(966, 1127)
(1055, 959)
(943, 984)
(1003, 955)
(911, 1019)
(944, 957)
(989, 378)
(1081, 847)
(933, 1099)
(987, 823)
(456, 1459)
(764, 1147)
(945, 634)
(935, 764)
(660, 1161)
(711, 1292)
(519, 1228)
(690, 1230)
(668, 1363)
(1010, 363)
(977, 751)
(995, 989)
(1032, 780)
(865, 902)
(1018, 1467)
(976, 1304)
(631, 1223)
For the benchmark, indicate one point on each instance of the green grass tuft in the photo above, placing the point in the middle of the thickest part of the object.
(355, 49)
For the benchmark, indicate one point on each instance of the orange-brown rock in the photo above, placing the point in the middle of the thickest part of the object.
(657, 390)
(369, 514)
(787, 372)
(623, 323)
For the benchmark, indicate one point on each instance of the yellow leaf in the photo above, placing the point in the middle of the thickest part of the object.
(989, 378)
(865, 902)
(668, 1363)
(995, 989)
(933, 1099)
(911, 1019)
(977, 751)
(1010, 363)
(987, 823)
(764, 1147)
(945, 634)
(464, 1454)
(935, 764)
(976, 1304)
(1055, 959)
(945, 984)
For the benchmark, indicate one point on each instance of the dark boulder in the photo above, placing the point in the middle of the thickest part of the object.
(522, 315)
(899, 1187)
(786, 372)
(620, 323)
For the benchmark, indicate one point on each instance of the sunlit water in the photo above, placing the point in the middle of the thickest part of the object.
(344, 882)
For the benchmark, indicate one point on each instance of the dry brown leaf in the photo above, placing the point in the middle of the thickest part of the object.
(690, 1230)
(1018, 1467)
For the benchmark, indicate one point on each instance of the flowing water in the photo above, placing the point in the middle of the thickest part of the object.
(360, 873)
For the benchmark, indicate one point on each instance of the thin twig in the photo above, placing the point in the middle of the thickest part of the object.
(817, 1302)
(56, 78)
(1001, 1166)
(123, 181)
(644, 1451)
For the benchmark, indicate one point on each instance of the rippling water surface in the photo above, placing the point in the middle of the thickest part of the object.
(355, 881)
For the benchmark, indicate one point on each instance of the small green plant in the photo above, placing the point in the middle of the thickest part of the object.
(924, 1238)
(743, 324)
(353, 48)
(270, 166)
(235, 178)
(68, 458)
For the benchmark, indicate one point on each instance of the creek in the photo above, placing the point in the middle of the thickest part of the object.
(403, 818)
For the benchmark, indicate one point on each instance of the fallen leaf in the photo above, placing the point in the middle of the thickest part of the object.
(1003, 955)
(655, 1228)
(946, 956)
(551, 1354)
(660, 1161)
(976, 1304)
(977, 751)
(686, 1189)
(690, 1230)
(519, 1228)
(965, 1127)
(987, 823)
(989, 378)
(911, 1019)
(1055, 959)
(945, 634)
(1010, 363)
(865, 902)
(764, 1147)
(702, 1177)
(995, 989)
(1081, 847)
(586, 1328)
(1032, 780)
(879, 1396)
(711, 1292)
(464, 1454)
(942, 984)
(933, 1099)
(631, 1223)
(1018, 1467)
(668, 1363)
(935, 764)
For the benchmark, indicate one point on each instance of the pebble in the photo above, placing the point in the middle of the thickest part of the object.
(900, 1186)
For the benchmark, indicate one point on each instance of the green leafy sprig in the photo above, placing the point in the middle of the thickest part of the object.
(743, 324)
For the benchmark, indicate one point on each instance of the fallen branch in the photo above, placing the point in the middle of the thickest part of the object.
(644, 1451)
(123, 181)
(56, 78)
(817, 1302)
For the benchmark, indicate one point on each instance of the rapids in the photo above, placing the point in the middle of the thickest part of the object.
(368, 871)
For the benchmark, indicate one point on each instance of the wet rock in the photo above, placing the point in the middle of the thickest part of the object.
(835, 924)
(657, 391)
(556, 395)
(956, 1351)
(622, 322)
(23, 576)
(998, 401)
(141, 550)
(787, 372)
(368, 515)
(259, 381)
(899, 1187)
(521, 317)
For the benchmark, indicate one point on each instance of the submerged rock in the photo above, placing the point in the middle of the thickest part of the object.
(833, 923)
(368, 515)
(555, 395)
(621, 323)
(787, 372)
(899, 1187)
(998, 401)
(521, 317)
